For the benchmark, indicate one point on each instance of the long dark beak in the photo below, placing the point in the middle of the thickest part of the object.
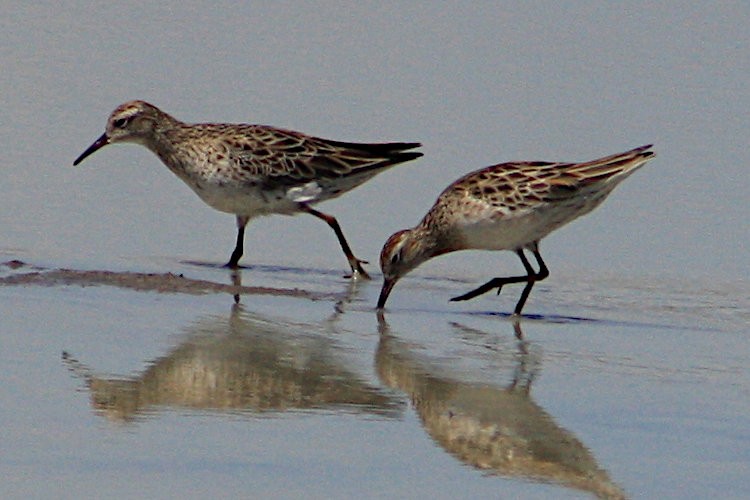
(388, 284)
(98, 144)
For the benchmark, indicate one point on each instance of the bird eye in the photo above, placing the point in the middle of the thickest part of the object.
(396, 257)
(121, 122)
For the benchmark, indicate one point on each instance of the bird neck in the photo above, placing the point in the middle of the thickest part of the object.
(431, 241)
(170, 142)
(438, 231)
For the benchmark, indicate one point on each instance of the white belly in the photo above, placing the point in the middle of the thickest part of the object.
(509, 235)
(511, 232)
(247, 201)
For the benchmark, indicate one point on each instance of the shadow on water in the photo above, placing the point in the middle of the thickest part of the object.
(498, 429)
(539, 318)
(569, 319)
(243, 363)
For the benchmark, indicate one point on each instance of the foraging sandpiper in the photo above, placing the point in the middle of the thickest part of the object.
(510, 206)
(252, 170)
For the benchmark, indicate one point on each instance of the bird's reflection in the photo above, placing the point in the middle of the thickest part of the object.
(236, 277)
(491, 427)
(351, 293)
(241, 363)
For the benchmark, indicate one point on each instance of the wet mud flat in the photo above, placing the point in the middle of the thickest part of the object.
(26, 274)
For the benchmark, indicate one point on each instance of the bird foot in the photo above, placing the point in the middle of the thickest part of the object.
(358, 272)
(477, 292)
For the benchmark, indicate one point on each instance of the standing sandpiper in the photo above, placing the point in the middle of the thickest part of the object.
(252, 170)
(510, 206)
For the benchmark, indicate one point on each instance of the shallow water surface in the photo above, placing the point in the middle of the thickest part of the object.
(133, 366)
(164, 378)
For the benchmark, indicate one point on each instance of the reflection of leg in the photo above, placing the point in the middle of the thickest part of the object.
(238, 247)
(517, 330)
(530, 278)
(349, 295)
(528, 365)
(354, 263)
(237, 282)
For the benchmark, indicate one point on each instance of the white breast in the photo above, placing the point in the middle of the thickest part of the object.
(250, 201)
(520, 228)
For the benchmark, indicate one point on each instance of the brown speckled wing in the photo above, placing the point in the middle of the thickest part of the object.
(284, 155)
(519, 185)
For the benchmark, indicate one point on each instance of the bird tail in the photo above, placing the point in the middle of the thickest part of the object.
(616, 165)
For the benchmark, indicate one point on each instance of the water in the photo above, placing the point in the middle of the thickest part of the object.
(633, 364)
(161, 393)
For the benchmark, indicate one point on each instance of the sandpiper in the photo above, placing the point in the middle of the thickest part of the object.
(252, 170)
(510, 206)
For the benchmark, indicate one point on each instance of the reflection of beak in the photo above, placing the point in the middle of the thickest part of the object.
(98, 144)
(385, 291)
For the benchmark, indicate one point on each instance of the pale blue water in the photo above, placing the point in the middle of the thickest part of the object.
(174, 394)
(637, 343)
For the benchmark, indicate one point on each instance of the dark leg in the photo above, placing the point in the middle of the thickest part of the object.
(499, 282)
(530, 278)
(238, 247)
(354, 263)
(533, 277)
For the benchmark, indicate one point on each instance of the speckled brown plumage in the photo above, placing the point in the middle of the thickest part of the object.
(509, 206)
(252, 170)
